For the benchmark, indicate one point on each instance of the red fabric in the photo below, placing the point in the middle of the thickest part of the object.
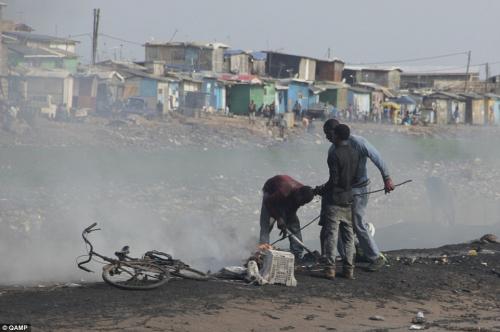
(279, 189)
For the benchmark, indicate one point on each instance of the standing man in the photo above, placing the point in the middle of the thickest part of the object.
(360, 198)
(337, 196)
(282, 197)
(297, 109)
(252, 108)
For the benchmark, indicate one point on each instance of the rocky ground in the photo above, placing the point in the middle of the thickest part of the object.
(208, 131)
(455, 288)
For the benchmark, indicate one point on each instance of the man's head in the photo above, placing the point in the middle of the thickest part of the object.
(328, 128)
(341, 133)
(303, 195)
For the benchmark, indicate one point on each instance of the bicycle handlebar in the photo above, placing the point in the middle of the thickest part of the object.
(89, 229)
(91, 251)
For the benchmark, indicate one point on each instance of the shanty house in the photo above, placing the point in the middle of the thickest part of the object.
(269, 93)
(258, 63)
(388, 77)
(379, 93)
(298, 90)
(282, 65)
(329, 70)
(360, 100)
(492, 107)
(436, 78)
(216, 92)
(334, 94)
(85, 91)
(40, 51)
(444, 104)
(42, 88)
(240, 95)
(190, 57)
(474, 108)
(237, 62)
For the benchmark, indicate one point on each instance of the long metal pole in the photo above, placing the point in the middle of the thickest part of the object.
(467, 71)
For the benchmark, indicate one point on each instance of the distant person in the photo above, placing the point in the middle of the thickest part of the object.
(360, 198)
(159, 108)
(252, 108)
(272, 113)
(456, 116)
(442, 207)
(336, 216)
(282, 197)
(297, 110)
(283, 125)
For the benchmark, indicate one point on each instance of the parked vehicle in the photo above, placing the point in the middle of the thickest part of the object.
(317, 111)
(136, 105)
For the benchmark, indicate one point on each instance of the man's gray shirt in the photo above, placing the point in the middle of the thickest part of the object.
(366, 150)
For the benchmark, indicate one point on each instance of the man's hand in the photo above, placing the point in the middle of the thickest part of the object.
(282, 226)
(388, 185)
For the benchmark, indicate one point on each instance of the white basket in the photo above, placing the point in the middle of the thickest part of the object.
(278, 268)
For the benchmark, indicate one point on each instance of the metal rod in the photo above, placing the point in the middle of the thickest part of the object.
(379, 190)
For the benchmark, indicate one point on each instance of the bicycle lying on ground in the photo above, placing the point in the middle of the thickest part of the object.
(153, 270)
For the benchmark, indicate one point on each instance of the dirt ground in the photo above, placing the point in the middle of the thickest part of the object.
(456, 292)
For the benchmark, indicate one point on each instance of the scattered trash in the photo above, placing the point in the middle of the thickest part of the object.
(278, 268)
(419, 318)
(472, 252)
(417, 327)
(71, 285)
(484, 263)
(232, 272)
(377, 317)
(253, 274)
(489, 238)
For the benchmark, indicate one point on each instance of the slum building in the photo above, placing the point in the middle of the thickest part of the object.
(389, 77)
(188, 56)
(444, 104)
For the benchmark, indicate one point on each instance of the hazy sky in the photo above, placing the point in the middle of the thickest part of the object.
(355, 30)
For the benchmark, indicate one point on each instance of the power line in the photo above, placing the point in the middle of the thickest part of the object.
(414, 59)
(121, 39)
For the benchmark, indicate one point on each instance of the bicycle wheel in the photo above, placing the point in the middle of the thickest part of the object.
(135, 275)
(187, 272)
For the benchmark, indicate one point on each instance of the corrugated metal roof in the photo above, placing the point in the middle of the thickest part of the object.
(31, 52)
(188, 44)
(259, 56)
(228, 53)
(492, 95)
(371, 68)
(21, 35)
(447, 95)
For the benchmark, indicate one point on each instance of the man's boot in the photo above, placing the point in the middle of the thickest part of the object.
(348, 272)
(330, 272)
(377, 264)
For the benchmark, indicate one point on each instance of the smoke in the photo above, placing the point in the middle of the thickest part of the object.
(202, 205)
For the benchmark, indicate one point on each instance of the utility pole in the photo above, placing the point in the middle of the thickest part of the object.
(95, 34)
(467, 71)
(487, 71)
(329, 53)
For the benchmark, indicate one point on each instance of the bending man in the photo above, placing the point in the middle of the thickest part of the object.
(282, 197)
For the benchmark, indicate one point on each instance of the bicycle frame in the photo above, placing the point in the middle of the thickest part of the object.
(87, 231)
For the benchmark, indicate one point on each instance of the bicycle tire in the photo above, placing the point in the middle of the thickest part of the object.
(136, 275)
(187, 272)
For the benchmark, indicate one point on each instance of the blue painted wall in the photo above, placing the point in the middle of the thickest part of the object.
(298, 91)
(282, 101)
(148, 88)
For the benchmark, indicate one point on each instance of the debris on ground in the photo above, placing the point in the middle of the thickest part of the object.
(377, 318)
